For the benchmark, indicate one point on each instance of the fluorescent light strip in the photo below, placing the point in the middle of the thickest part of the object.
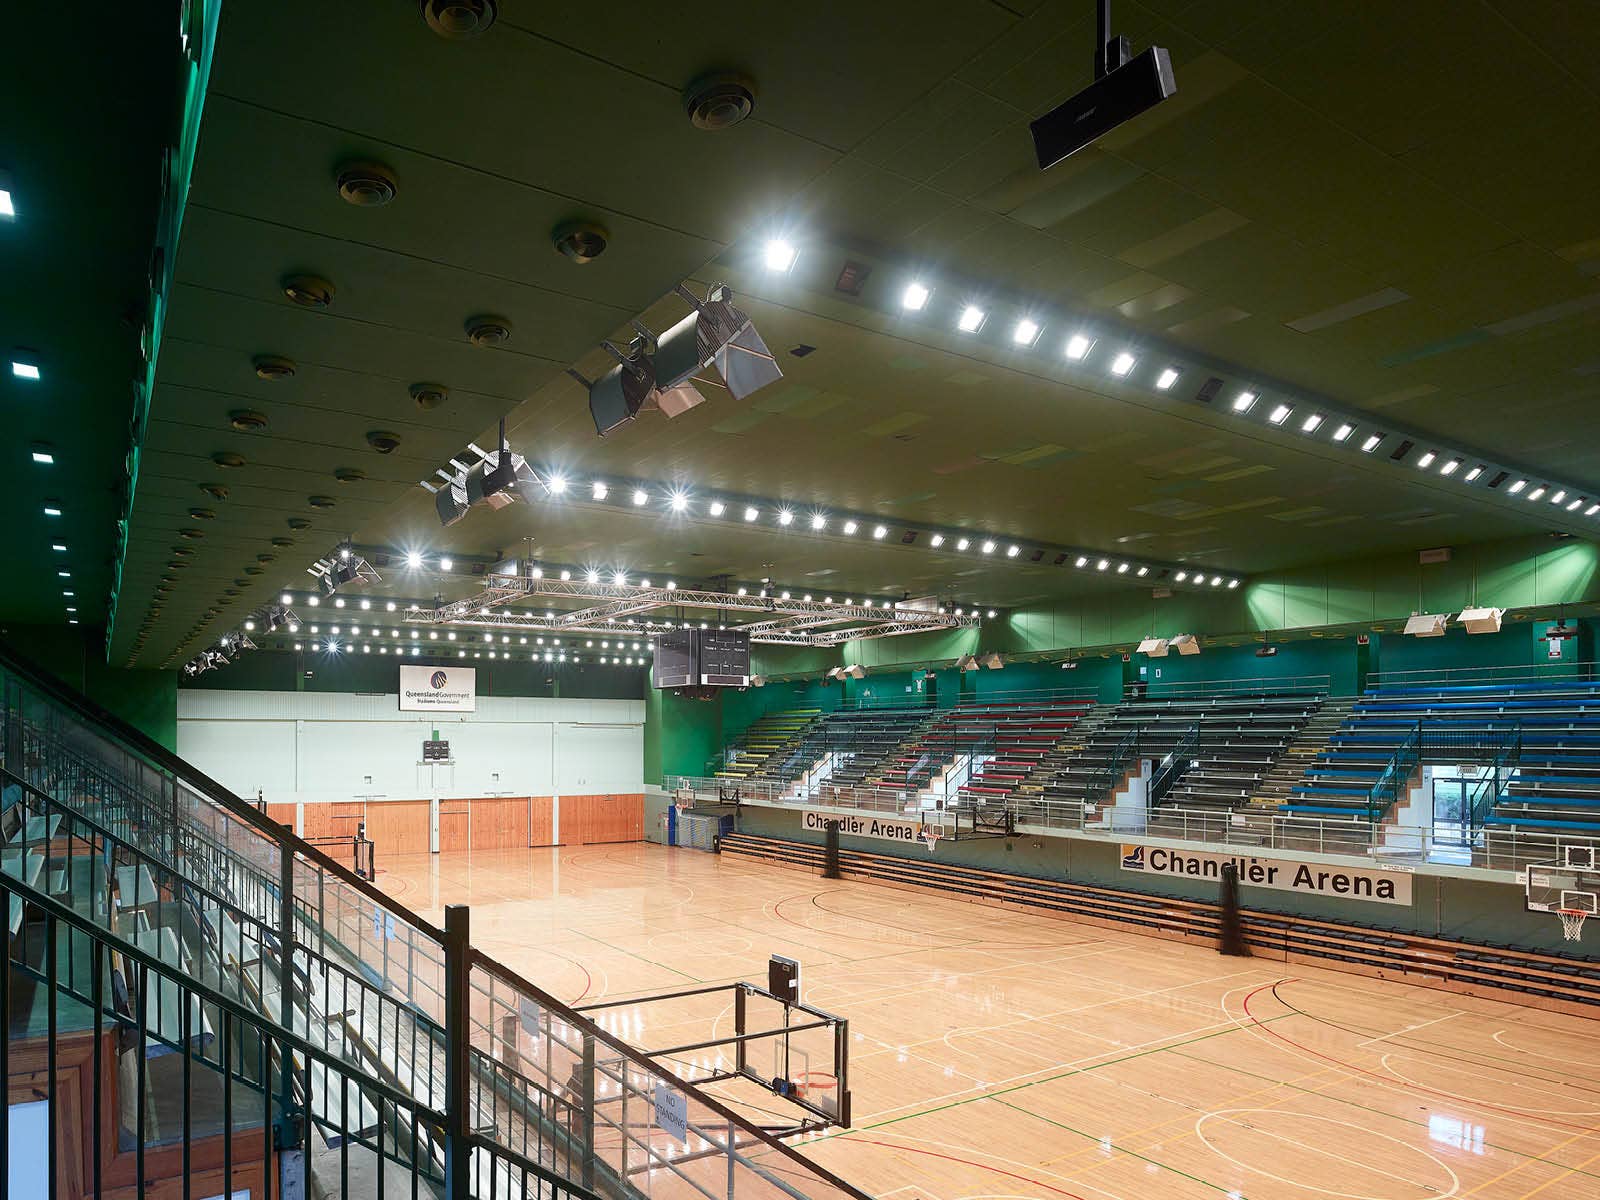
(1244, 402)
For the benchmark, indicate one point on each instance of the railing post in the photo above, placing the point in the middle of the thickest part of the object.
(458, 1149)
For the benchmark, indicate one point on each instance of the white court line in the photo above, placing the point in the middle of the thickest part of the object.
(1409, 1029)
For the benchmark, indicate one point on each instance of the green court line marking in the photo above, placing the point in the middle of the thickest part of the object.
(640, 957)
(1089, 1137)
(1378, 1111)
(1017, 1087)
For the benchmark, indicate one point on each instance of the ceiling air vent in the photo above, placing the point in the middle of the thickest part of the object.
(366, 184)
(489, 331)
(246, 421)
(227, 458)
(1208, 390)
(429, 395)
(273, 367)
(582, 243)
(383, 441)
(308, 291)
(716, 102)
(320, 501)
(458, 20)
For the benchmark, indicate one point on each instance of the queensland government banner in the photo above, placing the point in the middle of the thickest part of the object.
(438, 689)
(1276, 874)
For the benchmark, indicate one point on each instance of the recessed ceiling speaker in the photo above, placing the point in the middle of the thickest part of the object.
(581, 242)
(383, 441)
(429, 395)
(349, 474)
(191, 534)
(246, 421)
(298, 523)
(308, 291)
(719, 101)
(215, 490)
(320, 501)
(489, 331)
(272, 367)
(283, 542)
(366, 184)
(458, 20)
(227, 458)
(203, 514)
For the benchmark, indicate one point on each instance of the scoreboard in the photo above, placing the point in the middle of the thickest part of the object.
(701, 658)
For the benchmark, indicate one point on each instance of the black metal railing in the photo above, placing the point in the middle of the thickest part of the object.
(1178, 760)
(1106, 779)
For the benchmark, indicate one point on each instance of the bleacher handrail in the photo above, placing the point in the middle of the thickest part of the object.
(1246, 685)
(1463, 677)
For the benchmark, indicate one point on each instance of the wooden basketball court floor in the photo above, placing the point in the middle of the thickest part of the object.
(997, 1054)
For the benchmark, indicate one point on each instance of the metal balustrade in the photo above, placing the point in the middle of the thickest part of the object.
(364, 1047)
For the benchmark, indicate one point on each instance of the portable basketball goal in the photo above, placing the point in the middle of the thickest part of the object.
(1569, 888)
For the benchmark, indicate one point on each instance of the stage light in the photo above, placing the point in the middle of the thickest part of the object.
(915, 297)
(1280, 414)
(1167, 378)
(962, 544)
(593, 576)
(557, 485)
(743, 591)
(678, 501)
(1013, 551)
(779, 255)
(784, 596)
(971, 319)
(850, 527)
(1591, 510)
(445, 564)
(751, 513)
(1025, 332)
(818, 521)
(1343, 431)
(366, 605)
(640, 497)
(7, 208)
(413, 559)
(1215, 580)
(313, 601)
(1123, 363)
(339, 602)
(1078, 346)
(785, 517)
(717, 508)
(1243, 402)
(671, 586)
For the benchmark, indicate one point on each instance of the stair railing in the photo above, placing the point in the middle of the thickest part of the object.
(1395, 775)
(1174, 765)
(1104, 781)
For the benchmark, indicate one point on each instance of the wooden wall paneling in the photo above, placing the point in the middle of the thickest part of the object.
(541, 831)
(283, 814)
(338, 818)
(398, 826)
(455, 824)
(604, 818)
(499, 823)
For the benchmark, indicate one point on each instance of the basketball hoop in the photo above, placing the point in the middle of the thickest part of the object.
(1572, 923)
(931, 834)
(811, 1082)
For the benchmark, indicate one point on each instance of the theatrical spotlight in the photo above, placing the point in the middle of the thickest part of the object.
(479, 476)
(658, 372)
(343, 566)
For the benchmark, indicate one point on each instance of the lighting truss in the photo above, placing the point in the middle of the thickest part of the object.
(784, 622)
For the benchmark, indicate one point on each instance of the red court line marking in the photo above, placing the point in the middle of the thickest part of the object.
(969, 1162)
(1393, 1081)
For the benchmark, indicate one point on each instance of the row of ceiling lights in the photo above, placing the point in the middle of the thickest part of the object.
(334, 647)
(1310, 420)
(680, 500)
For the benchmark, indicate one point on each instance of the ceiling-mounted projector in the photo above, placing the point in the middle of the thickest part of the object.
(1123, 88)
(1427, 624)
(1481, 620)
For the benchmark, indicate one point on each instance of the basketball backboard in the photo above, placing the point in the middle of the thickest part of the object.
(1569, 888)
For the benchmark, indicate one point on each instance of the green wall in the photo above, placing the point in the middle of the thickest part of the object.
(147, 700)
(680, 734)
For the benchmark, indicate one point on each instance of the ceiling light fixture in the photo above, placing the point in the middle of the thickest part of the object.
(1078, 346)
(915, 297)
(678, 501)
(785, 517)
(1472, 475)
(44, 458)
(1310, 424)
(936, 540)
(880, 532)
(1167, 378)
(1243, 402)
(1025, 332)
(557, 485)
(1280, 414)
(1343, 431)
(25, 370)
(1123, 363)
(1450, 467)
(971, 319)
(1517, 486)
(780, 255)
(751, 512)
(1371, 444)
(640, 497)
(716, 508)
(445, 564)
(1426, 460)
(850, 526)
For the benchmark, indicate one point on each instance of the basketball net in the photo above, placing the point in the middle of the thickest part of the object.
(1572, 922)
(930, 834)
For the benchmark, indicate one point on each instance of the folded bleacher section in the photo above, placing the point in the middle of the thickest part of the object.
(1237, 740)
(1550, 729)
(769, 734)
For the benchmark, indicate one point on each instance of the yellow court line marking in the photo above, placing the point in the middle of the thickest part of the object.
(1558, 1178)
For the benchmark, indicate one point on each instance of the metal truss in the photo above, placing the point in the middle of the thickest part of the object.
(614, 610)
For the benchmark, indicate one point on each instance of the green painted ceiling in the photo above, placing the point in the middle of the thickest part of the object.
(1393, 216)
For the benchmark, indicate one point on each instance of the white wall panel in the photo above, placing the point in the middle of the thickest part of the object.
(311, 746)
(242, 757)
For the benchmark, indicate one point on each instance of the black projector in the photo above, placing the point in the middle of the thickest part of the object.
(1115, 97)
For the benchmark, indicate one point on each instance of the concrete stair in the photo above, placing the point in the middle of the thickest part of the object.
(1313, 739)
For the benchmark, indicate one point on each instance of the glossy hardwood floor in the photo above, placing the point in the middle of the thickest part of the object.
(1002, 1055)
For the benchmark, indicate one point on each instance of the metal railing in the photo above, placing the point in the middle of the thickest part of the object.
(1396, 775)
(1257, 685)
(1489, 677)
(1105, 780)
(471, 1078)
(1172, 767)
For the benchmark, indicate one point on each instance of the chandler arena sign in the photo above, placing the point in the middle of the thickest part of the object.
(884, 828)
(1275, 874)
